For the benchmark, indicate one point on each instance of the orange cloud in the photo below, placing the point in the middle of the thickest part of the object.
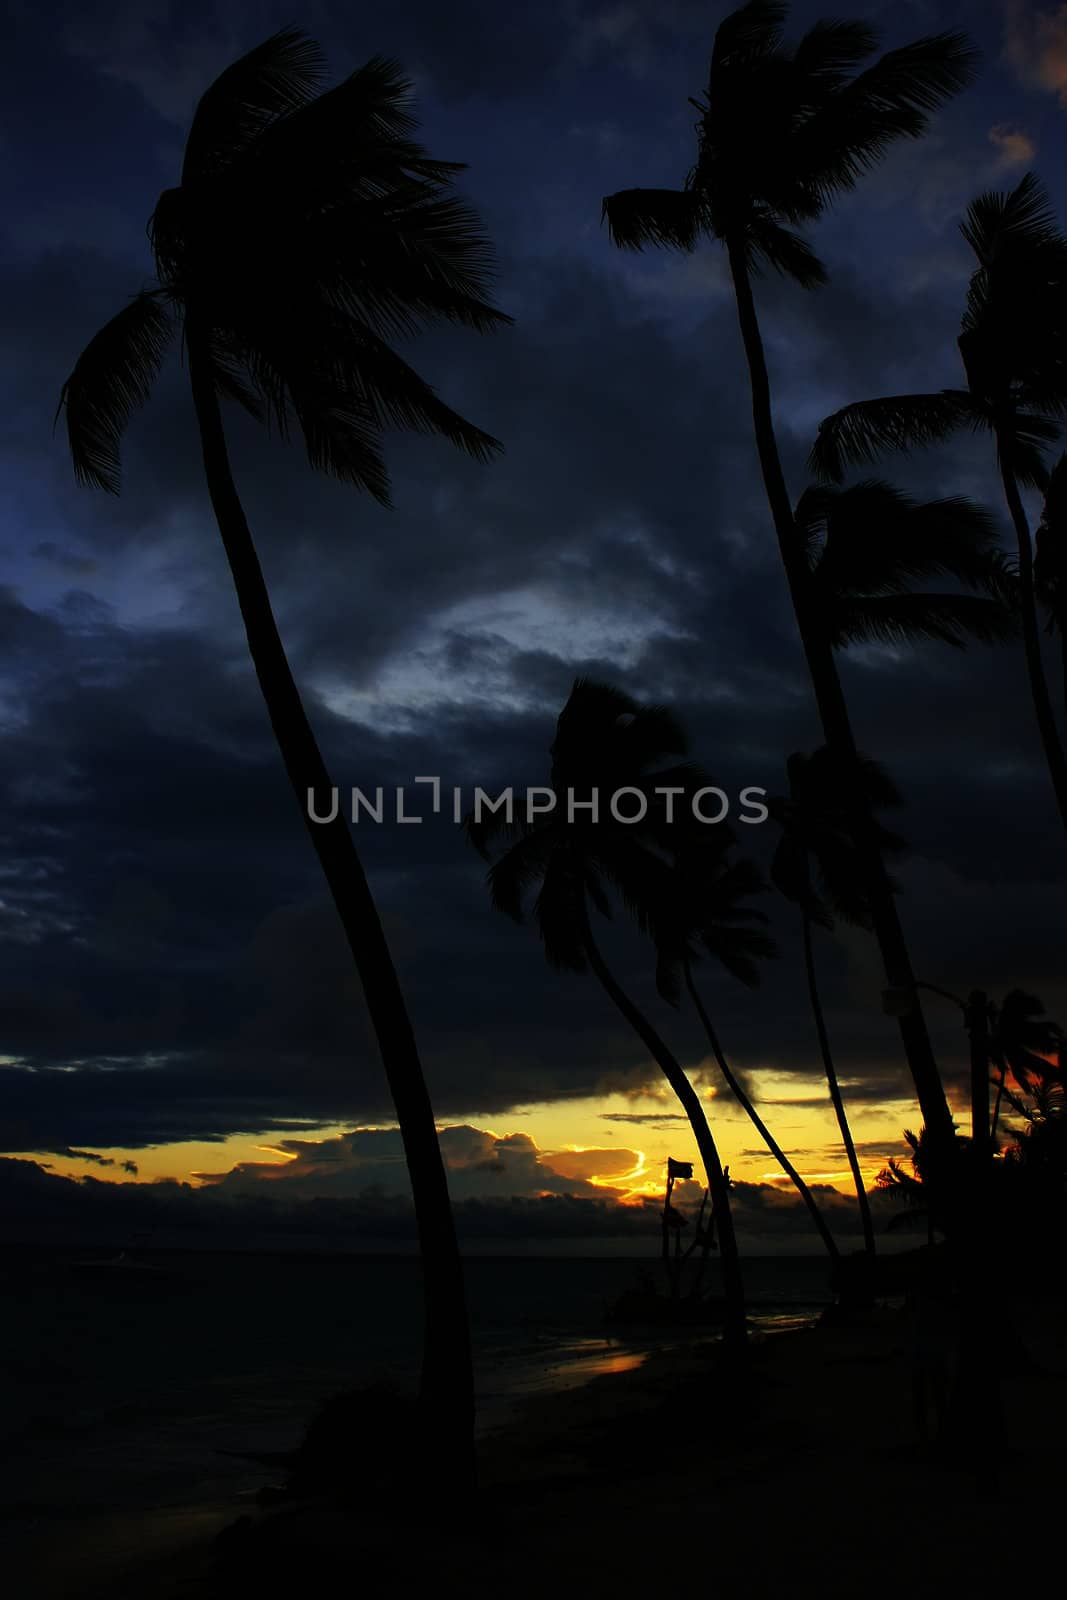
(592, 1164)
(1014, 147)
(1035, 45)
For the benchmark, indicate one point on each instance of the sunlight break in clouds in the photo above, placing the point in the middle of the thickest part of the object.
(463, 656)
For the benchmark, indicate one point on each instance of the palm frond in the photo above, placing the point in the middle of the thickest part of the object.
(787, 252)
(752, 31)
(861, 432)
(817, 823)
(400, 261)
(664, 217)
(1023, 445)
(1050, 557)
(1023, 219)
(343, 386)
(524, 864)
(830, 50)
(871, 539)
(791, 874)
(558, 917)
(111, 378)
(902, 619)
(270, 81)
(892, 99)
(364, 124)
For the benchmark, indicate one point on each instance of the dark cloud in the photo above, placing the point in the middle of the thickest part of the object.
(39, 1206)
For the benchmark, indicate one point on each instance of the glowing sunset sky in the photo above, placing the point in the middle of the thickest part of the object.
(176, 1001)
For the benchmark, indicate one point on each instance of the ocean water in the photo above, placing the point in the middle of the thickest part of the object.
(118, 1396)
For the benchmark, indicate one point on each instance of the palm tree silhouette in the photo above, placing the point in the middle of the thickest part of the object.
(709, 913)
(1013, 344)
(606, 742)
(1050, 560)
(306, 227)
(868, 547)
(1021, 1037)
(780, 134)
(815, 868)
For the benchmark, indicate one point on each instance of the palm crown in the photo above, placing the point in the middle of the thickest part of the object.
(1023, 1037)
(1013, 343)
(866, 548)
(606, 741)
(783, 131)
(709, 913)
(815, 861)
(307, 229)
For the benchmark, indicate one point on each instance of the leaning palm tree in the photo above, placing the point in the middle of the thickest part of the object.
(709, 913)
(1013, 345)
(815, 868)
(307, 228)
(1050, 560)
(780, 134)
(608, 744)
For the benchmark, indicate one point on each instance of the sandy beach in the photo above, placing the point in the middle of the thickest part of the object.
(810, 1474)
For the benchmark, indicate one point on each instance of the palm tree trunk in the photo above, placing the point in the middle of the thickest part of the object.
(447, 1384)
(976, 1019)
(833, 711)
(1046, 721)
(835, 1087)
(735, 1336)
(760, 1126)
(1002, 1074)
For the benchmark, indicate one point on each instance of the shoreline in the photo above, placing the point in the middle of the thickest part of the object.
(812, 1459)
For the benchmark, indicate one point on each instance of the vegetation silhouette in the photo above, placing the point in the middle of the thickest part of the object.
(321, 202)
(708, 914)
(607, 742)
(1050, 560)
(780, 134)
(1020, 1038)
(1013, 344)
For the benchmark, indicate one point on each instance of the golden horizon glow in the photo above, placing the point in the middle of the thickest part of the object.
(801, 1120)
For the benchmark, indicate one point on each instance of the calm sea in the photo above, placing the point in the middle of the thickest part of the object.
(120, 1395)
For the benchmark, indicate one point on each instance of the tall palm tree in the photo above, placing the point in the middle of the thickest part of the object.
(1050, 560)
(867, 548)
(780, 134)
(1013, 344)
(709, 913)
(606, 742)
(306, 228)
(815, 868)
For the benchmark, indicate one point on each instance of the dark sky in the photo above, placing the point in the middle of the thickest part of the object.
(170, 968)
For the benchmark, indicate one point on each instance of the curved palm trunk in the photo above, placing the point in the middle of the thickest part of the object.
(833, 712)
(1046, 721)
(835, 1088)
(447, 1384)
(735, 1336)
(760, 1126)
